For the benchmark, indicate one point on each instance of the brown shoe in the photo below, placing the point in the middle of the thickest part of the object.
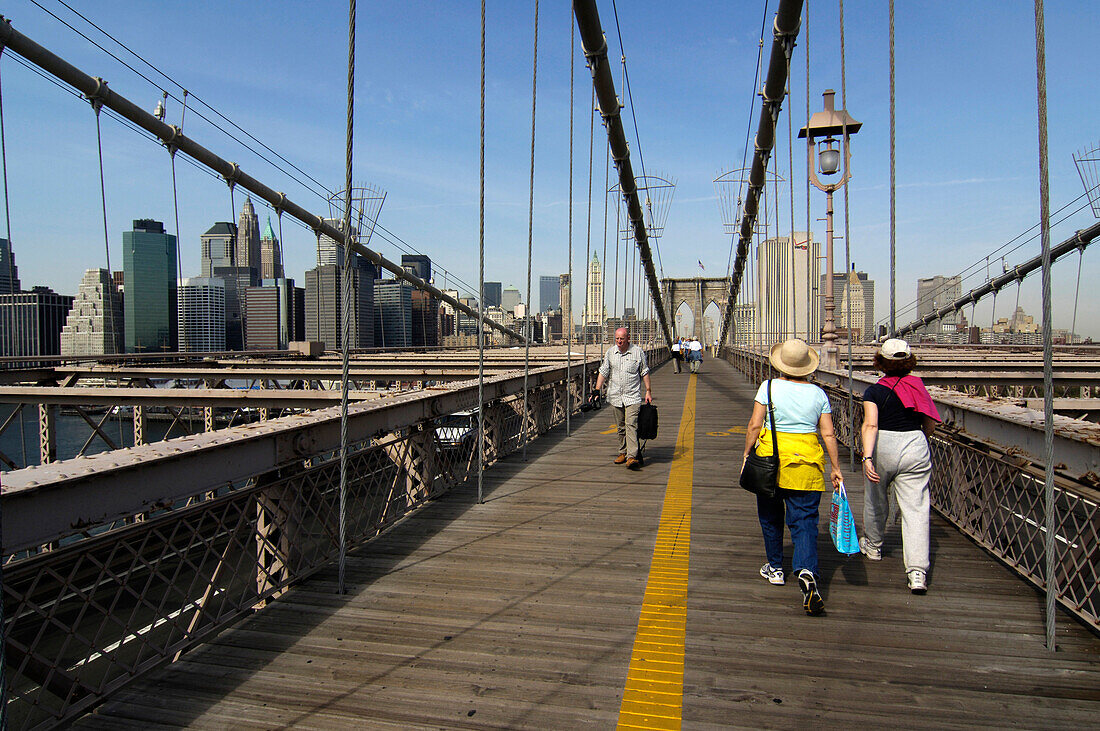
(620, 459)
(633, 463)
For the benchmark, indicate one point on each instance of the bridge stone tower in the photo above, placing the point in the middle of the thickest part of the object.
(698, 293)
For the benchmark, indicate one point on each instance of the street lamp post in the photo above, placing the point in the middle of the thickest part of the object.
(821, 131)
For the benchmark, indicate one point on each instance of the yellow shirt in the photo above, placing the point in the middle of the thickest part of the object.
(801, 459)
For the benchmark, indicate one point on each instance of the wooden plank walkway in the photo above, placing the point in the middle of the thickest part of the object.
(522, 613)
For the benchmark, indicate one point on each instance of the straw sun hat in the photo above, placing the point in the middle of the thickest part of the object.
(794, 358)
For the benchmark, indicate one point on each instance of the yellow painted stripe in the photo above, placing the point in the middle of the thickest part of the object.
(654, 693)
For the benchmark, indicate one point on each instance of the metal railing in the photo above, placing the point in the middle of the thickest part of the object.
(100, 586)
(993, 493)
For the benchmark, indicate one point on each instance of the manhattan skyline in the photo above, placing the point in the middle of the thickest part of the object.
(966, 139)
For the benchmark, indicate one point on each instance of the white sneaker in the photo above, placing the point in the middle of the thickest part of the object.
(772, 574)
(918, 583)
(872, 552)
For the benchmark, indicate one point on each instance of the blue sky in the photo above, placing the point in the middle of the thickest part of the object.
(967, 161)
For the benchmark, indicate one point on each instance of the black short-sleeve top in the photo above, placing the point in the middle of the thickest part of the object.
(892, 414)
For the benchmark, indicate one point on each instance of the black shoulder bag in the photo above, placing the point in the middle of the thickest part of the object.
(760, 475)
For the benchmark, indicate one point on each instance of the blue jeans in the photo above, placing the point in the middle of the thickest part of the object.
(801, 508)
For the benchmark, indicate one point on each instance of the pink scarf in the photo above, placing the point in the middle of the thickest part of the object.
(912, 393)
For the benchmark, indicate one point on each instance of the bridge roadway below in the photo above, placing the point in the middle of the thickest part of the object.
(522, 612)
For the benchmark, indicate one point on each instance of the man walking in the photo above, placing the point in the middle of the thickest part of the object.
(625, 370)
(695, 355)
(677, 354)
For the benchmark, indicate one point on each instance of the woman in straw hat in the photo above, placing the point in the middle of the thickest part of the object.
(801, 409)
(898, 418)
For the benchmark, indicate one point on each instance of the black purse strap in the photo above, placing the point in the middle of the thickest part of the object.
(771, 421)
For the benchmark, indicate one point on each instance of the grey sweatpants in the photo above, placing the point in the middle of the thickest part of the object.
(903, 463)
(626, 419)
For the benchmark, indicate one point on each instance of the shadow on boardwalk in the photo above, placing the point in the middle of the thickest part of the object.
(521, 613)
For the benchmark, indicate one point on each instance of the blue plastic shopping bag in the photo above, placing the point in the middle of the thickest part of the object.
(842, 525)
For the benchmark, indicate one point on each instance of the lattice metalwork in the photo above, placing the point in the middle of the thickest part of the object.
(118, 599)
(996, 498)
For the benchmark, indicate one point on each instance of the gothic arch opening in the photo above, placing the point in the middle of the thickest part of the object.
(683, 321)
(712, 321)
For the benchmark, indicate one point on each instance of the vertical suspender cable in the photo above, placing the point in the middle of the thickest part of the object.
(481, 291)
(349, 254)
(893, 219)
(588, 236)
(1048, 371)
(790, 177)
(569, 337)
(848, 263)
(10, 312)
(531, 219)
(11, 284)
(811, 259)
(1077, 291)
(603, 260)
(618, 235)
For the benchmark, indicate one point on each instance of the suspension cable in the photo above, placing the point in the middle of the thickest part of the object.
(481, 281)
(893, 217)
(569, 337)
(349, 260)
(1077, 291)
(1048, 362)
(588, 241)
(848, 258)
(603, 261)
(812, 280)
(531, 223)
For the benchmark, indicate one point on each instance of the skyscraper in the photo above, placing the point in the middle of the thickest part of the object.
(9, 273)
(271, 254)
(328, 251)
(549, 294)
(594, 314)
(393, 313)
(323, 305)
(274, 314)
(565, 294)
(94, 324)
(425, 307)
(31, 322)
(493, 294)
(419, 264)
(937, 292)
(248, 242)
(784, 282)
(509, 299)
(149, 263)
(218, 247)
(201, 315)
(862, 303)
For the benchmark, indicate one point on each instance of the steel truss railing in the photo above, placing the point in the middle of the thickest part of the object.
(995, 497)
(89, 608)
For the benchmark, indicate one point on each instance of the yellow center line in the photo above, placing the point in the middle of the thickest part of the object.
(654, 693)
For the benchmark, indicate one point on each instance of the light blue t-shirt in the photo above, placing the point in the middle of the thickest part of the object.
(798, 406)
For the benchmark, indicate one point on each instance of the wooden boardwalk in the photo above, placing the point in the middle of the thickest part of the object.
(522, 613)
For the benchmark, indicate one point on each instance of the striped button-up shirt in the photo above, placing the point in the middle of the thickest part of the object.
(623, 371)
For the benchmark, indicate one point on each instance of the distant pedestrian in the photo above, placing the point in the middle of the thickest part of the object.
(898, 418)
(695, 354)
(801, 409)
(677, 354)
(625, 371)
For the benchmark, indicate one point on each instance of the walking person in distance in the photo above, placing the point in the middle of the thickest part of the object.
(898, 418)
(801, 409)
(626, 372)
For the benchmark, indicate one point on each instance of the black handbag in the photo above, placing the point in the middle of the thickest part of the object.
(760, 475)
(647, 421)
